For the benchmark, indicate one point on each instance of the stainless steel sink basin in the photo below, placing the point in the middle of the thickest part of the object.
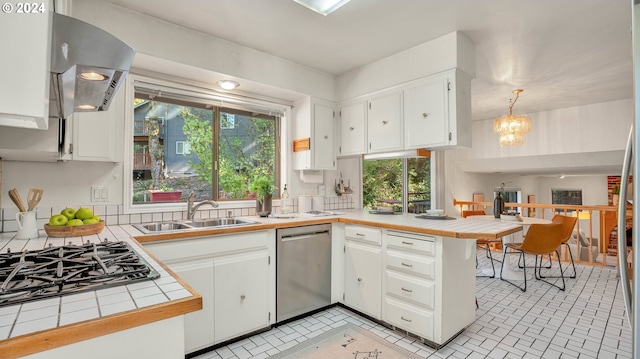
(173, 226)
(161, 226)
(217, 222)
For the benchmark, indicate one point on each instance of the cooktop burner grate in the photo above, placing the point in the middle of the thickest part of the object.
(69, 269)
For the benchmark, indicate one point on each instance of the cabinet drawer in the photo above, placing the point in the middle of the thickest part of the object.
(413, 242)
(418, 291)
(364, 234)
(414, 264)
(415, 320)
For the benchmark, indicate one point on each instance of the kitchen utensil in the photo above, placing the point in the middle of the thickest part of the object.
(27, 226)
(34, 197)
(15, 197)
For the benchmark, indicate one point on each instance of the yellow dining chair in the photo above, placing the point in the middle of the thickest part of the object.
(567, 230)
(541, 239)
(483, 243)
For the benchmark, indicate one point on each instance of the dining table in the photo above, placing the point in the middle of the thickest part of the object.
(508, 272)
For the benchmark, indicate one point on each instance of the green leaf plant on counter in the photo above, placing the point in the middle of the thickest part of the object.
(262, 186)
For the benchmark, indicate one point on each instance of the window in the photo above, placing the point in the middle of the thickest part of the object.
(184, 144)
(566, 196)
(384, 183)
(183, 148)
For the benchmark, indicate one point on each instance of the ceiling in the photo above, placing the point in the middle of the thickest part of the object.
(564, 53)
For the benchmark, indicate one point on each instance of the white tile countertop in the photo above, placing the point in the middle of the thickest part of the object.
(50, 313)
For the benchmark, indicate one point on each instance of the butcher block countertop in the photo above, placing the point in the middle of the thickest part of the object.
(175, 297)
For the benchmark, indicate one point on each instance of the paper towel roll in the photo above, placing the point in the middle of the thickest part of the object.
(305, 203)
(318, 203)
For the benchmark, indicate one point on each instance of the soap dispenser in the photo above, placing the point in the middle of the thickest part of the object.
(285, 199)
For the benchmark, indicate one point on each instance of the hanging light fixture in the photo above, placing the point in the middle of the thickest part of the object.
(512, 128)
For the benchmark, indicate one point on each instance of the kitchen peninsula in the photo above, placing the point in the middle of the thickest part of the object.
(439, 255)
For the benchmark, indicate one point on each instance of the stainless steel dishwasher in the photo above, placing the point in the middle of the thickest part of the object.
(303, 270)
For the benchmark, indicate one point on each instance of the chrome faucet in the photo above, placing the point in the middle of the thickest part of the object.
(192, 208)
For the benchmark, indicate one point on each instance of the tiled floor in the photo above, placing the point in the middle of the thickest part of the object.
(586, 321)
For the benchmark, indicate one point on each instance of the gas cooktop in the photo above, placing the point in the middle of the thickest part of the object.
(69, 269)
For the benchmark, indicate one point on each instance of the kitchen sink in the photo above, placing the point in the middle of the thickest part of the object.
(173, 226)
(217, 222)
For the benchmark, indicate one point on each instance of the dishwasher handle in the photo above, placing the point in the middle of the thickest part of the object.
(297, 237)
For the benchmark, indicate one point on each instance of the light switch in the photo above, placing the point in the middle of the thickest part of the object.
(99, 194)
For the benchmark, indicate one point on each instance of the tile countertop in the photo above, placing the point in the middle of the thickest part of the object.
(47, 323)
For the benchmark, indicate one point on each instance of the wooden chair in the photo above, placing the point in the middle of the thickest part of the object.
(567, 229)
(541, 239)
(483, 243)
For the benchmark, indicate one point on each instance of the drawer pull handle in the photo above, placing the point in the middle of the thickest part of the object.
(407, 265)
(360, 235)
(359, 279)
(407, 243)
(405, 319)
(242, 297)
(425, 115)
(406, 290)
(351, 128)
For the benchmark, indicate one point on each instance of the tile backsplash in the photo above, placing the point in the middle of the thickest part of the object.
(114, 214)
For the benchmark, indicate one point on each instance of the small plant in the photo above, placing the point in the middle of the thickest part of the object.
(616, 189)
(262, 186)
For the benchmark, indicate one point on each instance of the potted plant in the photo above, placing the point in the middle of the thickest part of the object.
(263, 187)
(615, 194)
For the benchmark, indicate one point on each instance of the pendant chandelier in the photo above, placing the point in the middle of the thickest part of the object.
(512, 128)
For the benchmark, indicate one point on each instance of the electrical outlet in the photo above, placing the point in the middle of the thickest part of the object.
(99, 194)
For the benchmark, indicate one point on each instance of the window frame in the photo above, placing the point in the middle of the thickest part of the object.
(197, 92)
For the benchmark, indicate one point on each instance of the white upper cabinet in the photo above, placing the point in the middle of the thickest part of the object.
(99, 136)
(353, 134)
(313, 118)
(437, 112)
(432, 113)
(25, 35)
(384, 122)
(425, 114)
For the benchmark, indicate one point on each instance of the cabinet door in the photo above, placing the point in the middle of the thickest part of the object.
(241, 294)
(363, 278)
(352, 129)
(425, 115)
(384, 122)
(323, 146)
(98, 136)
(198, 326)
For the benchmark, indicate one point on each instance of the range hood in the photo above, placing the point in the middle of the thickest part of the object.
(88, 65)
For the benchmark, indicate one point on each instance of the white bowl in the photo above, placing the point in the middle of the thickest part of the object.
(435, 212)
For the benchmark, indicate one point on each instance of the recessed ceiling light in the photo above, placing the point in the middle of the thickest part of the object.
(86, 107)
(228, 84)
(93, 76)
(324, 7)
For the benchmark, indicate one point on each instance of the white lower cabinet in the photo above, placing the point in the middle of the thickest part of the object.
(234, 274)
(199, 326)
(363, 270)
(241, 294)
(428, 286)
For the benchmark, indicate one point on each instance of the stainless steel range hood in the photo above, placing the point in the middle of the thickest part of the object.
(88, 65)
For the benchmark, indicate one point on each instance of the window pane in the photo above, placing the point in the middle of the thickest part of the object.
(164, 169)
(382, 182)
(247, 149)
(419, 176)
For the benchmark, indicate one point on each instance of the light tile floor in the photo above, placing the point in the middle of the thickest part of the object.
(588, 320)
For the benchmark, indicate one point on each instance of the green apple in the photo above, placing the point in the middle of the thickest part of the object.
(90, 221)
(75, 222)
(97, 218)
(70, 213)
(84, 213)
(58, 220)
